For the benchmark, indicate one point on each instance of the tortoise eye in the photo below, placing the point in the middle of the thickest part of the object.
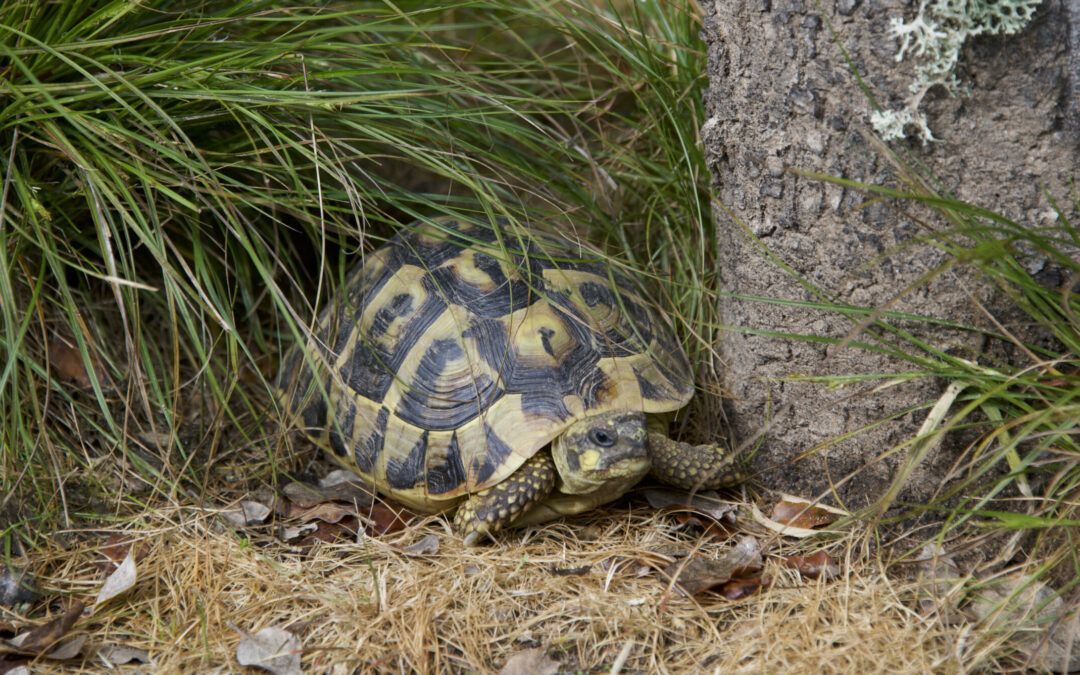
(602, 438)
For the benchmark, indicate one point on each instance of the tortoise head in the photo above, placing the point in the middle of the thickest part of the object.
(608, 451)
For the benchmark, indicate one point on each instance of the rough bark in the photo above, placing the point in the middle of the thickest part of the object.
(782, 95)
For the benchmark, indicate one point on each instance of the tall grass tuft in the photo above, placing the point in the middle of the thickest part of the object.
(185, 183)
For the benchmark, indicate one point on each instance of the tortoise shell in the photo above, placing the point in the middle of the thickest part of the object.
(458, 350)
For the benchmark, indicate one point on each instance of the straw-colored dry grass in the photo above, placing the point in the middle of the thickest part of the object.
(368, 606)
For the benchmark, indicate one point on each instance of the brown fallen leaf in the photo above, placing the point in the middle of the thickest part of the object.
(113, 655)
(46, 636)
(14, 665)
(530, 662)
(704, 511)
(248, 513)
(942, 586)
(328, 512)
(346, 528)
(814, 566)
(800, 514)
(16, 586)
(67, 364)
(740, 587)
(306, 495)
(1041, 625)
(117, 547)
(709, 528)
(271, 649)
(292, 533)
(120, 581)
(427, 545)
(67, 650)
(706, 503)
(699, 574)
(384, 519)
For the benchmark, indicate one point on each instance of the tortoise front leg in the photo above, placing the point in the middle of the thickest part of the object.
(489, 510)
(693, 467)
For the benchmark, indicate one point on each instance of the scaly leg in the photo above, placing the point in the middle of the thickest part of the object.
(693, 467)
(498, 506)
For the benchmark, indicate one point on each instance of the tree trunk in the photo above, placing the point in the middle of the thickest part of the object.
(782, 95)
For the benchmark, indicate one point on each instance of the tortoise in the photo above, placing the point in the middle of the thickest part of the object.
(500, 371)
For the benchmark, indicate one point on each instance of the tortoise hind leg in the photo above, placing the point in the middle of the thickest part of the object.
(693, 467)
(498, 506)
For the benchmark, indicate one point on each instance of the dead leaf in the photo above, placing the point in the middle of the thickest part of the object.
(306, 495)
(119, 581)
(291, 533)
(113, 655)
(780, 528)
(706, 503)
(427, 545)
(117, 547)
(383, 519)
(740, 587)
(339, 477)
(346, 528)
(699, 574)
(709, 527)
(272, 649)
(530, 662)
(328, 512)
(43, 638)
(16, 586)
(17, 668)
(67, 650)
(941, 584)
(814, 566)
(249, 513)
(67, 364)
(1041, 625)
(802, 514)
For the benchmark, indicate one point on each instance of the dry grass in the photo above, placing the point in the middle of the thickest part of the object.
(368, 606)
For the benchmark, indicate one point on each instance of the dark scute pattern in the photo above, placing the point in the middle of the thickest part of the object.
(369, 370)
(368, 449)
(400, 305)
(442, 478)
(422, 406)
(364, 280)
(406, 248)
(543, 388)
(406, 474)
(315, 412)
(496, 455)
(545, 339)
(650, 390)
(506, 297)
(634, 329)
(341, 431)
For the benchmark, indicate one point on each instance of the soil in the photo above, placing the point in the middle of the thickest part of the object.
(783, 96)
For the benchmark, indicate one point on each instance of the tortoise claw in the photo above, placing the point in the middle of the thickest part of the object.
(472, 539)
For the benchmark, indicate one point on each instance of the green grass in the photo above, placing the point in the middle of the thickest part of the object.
(185, 183)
